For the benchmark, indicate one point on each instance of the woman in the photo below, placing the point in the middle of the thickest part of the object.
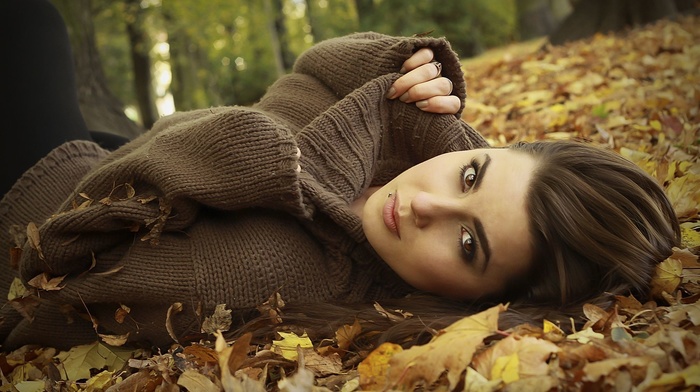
(330, 189)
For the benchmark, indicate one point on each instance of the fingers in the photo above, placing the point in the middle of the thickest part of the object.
(298, 155)
(443, 105)
(423, 74)
(421, 57)
(432, 88)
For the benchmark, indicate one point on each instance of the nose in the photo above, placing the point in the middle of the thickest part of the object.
(429, 207)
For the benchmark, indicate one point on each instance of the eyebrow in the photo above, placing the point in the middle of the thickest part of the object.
(482, 172)
(477, 222)
(484, 243)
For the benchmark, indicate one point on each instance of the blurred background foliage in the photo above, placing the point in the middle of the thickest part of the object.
(157, 56)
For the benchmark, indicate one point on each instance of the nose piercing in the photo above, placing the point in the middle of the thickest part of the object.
(389, 195)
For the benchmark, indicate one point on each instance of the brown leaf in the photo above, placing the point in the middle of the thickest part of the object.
(219, 321)
(43, 282)
(451, 350)
(174, 309)
(121, 313)
(114, 340)
(33, 238)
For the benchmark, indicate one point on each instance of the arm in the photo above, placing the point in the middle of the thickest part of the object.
(332, 69)
(225, 158)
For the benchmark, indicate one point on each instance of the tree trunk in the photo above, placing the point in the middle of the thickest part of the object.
(604, 16)
(535, 18)
(101, 109)
(311, 21)
(187, 91)
(365, 8)
(274, 37)
(141, 63)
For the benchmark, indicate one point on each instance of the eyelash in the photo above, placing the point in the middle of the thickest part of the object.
(469, 255)
(463, 172)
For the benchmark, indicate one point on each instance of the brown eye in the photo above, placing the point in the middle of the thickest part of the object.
(468, 177)
(467, 242)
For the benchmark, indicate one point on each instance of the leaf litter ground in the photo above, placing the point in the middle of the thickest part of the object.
(637, 93)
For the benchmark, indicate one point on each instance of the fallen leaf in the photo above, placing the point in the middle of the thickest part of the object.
(515, 357)
(76, 363)
(43, 282)
(287, 347)
(17, 290)
(114, 340)
(585, 336)
(33, 238)
(174, 309)
(193, 380)
(373, 369)
(450, 350)
(667, 277)
(219, 321)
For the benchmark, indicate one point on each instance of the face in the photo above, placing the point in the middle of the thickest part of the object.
(455, 225)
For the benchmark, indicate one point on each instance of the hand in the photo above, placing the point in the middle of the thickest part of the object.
(424, 85)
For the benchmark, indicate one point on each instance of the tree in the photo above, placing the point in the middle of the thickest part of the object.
(101, 109)
(603, 16)
(141, 62)
(537, 18)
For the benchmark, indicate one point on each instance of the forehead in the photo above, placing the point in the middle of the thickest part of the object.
(502, 208)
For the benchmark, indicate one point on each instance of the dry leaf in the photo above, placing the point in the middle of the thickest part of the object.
(121, 313)
(219, 321)
(172, 311)
(373, 369)
(114, 340)
(515, 357)
(667, 277)
(192, 380)
(43, 282)
(450, 350)
(33, 238)
(287, 347)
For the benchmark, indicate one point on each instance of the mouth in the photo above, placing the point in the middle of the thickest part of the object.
(390, 214)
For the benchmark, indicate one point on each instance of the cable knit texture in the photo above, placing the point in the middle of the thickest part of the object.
(207, 207)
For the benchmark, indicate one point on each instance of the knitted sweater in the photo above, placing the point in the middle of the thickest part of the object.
(207, 207)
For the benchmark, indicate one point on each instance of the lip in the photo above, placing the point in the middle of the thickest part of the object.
(390, 214)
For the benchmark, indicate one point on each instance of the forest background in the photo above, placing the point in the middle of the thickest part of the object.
(147, 58)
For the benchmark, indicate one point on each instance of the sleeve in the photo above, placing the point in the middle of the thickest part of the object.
(225, 158)
(346, 63)
(332, 69)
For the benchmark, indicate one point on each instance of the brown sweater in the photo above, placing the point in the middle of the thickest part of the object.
(207, 207)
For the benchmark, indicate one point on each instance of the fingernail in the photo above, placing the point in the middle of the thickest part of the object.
(391, 93)
(402, 70)
(422, 104)
(404, 97)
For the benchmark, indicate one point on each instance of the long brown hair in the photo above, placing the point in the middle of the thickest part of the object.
(600, 225)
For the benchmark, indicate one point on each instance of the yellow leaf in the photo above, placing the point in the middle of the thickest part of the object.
(373, 369)
(100, 381)
(452, 350)
(667, 276)
(530, 354)
(506, 368)
(17, 290)
(78, 361)
(549, 326)
(287, 347)
(690, 236)
(655, 124)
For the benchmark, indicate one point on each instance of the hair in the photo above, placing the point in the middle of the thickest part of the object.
(599, 223)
